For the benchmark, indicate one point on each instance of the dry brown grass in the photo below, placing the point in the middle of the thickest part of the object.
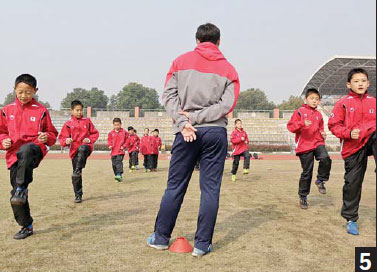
(260, 226)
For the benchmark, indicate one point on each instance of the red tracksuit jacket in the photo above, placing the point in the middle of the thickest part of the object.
(78, 130)
(308, 138)
(351, 112)
(156, 144)
(132, 143)
(146, 145)
(238, 145)
(118, 141)
(21, 123)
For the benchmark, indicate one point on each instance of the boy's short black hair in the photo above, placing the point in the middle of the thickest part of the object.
(356, 71)
(312, 91)
(156, 131)
(130, 128)
(208, 33)
(76, 103)
(27, 79)
(237, 120)
(117, 120)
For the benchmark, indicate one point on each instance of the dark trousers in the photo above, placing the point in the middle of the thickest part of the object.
(21, 175)
(148, 161)
(78, 163)
(133, 159)
(211, 146)
(355, 167)
(307, 164)
(236, 161)
(117, 163)
(154, 159)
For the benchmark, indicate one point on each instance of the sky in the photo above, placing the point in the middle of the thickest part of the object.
(274, 45)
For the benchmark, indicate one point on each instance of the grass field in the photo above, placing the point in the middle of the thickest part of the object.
(259, 228)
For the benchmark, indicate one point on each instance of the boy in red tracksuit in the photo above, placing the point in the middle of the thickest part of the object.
(116, 141)
(25, 132)
(80, 134)
(146, 150)
(307, 123)
(132, 144)
(353, 121)
(156, 145)
(240, 141)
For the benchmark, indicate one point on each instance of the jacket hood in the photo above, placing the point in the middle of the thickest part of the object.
(209, 51)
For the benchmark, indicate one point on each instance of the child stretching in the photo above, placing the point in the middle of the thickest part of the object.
(80, 135)
(240, 141)
(116, 141)
(25, 132)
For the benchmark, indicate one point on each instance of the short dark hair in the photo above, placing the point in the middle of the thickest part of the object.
(117, 120)
(356, 71)
(237, 120)
(156, 130)
(27, 79)
(76, 103)
(312, 91)
(130, 128)
(208, 33)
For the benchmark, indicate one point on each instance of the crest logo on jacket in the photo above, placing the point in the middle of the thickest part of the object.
(32, 119)
(305, 115)
(371, 110)
(352, 109)
(11, 117)
(332, 115)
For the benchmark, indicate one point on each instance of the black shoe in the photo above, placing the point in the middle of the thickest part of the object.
(78, 199)
(23, 233)
(19, 197)
(303, 203)
(321, 186)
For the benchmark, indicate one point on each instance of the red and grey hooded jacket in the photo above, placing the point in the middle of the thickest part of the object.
(132, 143)
(21, 123)
(353, 111)
(146, 145)
(117, 140)
(203, 83)
(238, 145)
(78, 130)
(156, 144)
(309, 137)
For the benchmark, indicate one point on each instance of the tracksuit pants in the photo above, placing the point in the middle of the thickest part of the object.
(211, 147)
(117, 163)
(355, 167)
(154, 161)
(148, 162)
(307, 164)
(78, 163)
(133, 159)
(21, 175)
(236, 161)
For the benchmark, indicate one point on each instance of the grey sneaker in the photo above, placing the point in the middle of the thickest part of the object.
(151, 241)
(321, 186)
(199, 253)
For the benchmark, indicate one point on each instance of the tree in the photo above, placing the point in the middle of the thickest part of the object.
(135, 95)
(12, 95)
(293, 103)
(254, 99)
(94, 98)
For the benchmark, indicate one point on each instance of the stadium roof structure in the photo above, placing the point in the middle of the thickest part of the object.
(331, 78)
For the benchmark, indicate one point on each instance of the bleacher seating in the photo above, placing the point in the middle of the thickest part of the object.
(261, 131)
